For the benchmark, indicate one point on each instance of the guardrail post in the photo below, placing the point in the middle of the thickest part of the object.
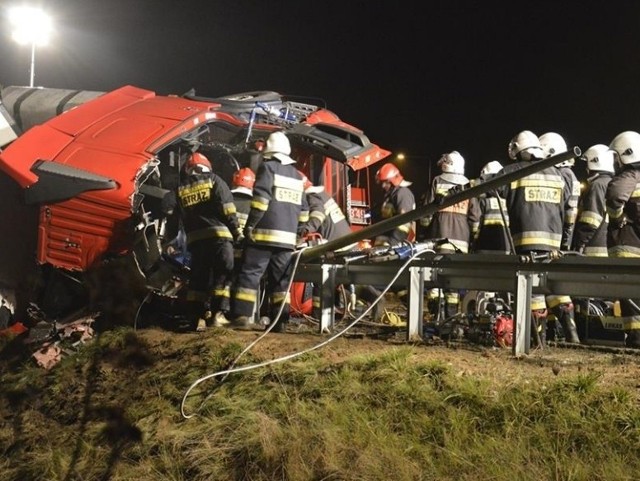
(522, 327)
(327, 297)
(416, 302)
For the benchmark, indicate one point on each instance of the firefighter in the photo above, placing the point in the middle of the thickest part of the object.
(536, 213)
(561, 316)
(326, 219)
(325, 215)
(210, 223)
(491, 236)
(270, 234)
(554, 144)
(242, 192)
(397, 199)
(590, 235)
(623, 208)
(490, 233)
(453, 223)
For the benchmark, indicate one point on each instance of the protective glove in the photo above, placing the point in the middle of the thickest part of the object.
(238, 237)
(248, 234)
(580, 249)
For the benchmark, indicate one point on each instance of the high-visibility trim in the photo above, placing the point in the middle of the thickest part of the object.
(591, 218)
(211, 232)
(624, 251)
(246, 294)
(272, 235)
(278, 297)
(556, 300)
(229, 208)
(259, 203)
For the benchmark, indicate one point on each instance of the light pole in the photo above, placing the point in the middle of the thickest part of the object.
(31, 26)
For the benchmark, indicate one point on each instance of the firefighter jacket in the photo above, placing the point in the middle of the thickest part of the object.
(277, 207)
(325, 215)
(397, 200)
(207, 208)
(242, 202)
(454, 222)
(590, 234)
(492, 232)
(536, 206)
(623, 207)
(570, 207)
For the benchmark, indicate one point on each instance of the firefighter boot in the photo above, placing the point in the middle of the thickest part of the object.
(194, 312)
(568, 323)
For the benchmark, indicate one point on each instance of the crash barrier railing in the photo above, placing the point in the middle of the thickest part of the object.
(522, 275)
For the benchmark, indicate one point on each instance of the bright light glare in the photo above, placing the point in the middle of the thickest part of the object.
(31, 26)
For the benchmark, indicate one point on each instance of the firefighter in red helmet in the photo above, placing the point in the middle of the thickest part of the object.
(397, 200)
(209, 219)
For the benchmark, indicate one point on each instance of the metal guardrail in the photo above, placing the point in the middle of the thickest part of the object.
(570, 274)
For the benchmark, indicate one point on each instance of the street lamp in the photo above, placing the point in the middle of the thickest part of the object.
(31, 26)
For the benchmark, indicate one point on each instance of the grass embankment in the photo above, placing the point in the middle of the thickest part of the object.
(112, 412)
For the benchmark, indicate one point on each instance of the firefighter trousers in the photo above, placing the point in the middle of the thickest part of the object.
(256, 261)
(210, 277)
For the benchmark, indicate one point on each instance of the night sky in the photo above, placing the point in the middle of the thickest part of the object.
(422, 78)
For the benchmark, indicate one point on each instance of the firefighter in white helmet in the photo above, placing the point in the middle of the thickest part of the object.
(536, 206)
(277, 207)
(453, 223)
(554, 144)
(623, 208)
(590, 235)
(491, 231)
(561, 315)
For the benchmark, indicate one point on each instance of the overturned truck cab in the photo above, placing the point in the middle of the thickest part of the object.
(87, 184)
